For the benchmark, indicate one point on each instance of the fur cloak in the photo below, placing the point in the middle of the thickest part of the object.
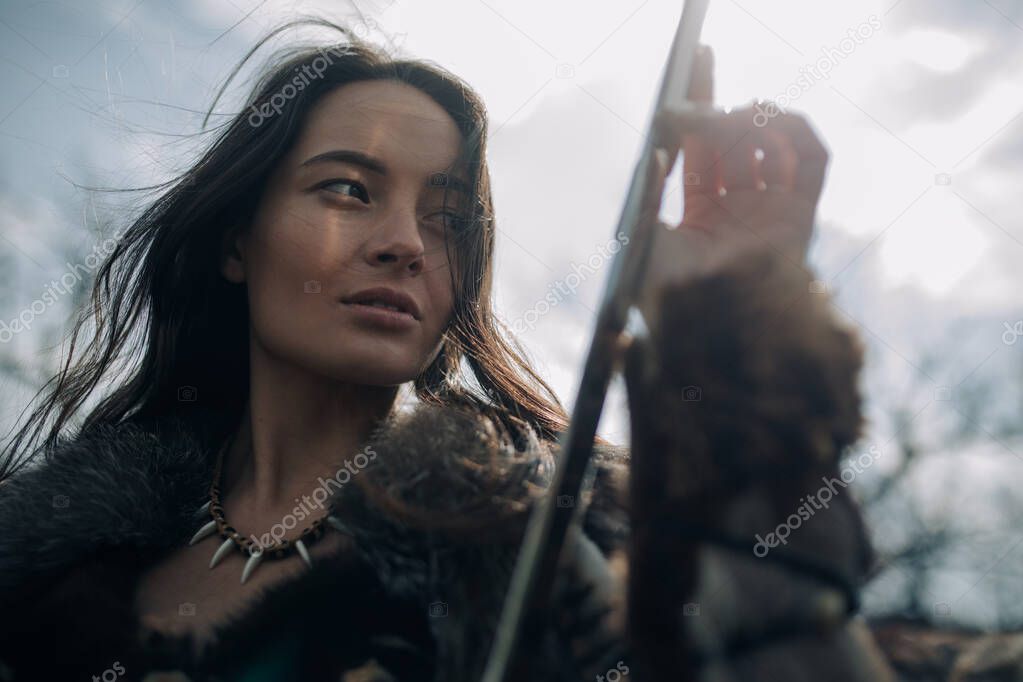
(420, 596)
(77, 530)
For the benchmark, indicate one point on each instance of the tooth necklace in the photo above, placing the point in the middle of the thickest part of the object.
(256, 551)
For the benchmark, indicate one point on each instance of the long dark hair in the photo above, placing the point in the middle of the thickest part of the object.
(160, 305)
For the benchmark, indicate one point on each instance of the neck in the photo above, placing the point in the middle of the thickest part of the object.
(297, 427)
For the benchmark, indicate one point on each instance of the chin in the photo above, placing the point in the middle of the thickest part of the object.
(390, 375)
(367, 361)
(382, 366)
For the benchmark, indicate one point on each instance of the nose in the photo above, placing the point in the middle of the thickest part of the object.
(396, 242)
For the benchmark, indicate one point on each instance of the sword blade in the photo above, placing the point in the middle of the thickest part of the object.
(548, 530)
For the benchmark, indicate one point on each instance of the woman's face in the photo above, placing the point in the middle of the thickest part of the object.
(352, 219)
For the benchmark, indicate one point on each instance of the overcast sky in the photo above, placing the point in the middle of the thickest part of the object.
(922, 111)
(920, 106)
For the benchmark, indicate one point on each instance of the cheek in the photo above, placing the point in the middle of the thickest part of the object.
(286, 279)
(440, 292)
(293, 279)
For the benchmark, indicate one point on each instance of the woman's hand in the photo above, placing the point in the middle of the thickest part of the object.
(751, 179)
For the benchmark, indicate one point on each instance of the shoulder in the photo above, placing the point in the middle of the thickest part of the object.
(106, 457)
(107, 449)
(114, 484)
(456, 474)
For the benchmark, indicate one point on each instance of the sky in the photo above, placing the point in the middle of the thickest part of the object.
(918, 101)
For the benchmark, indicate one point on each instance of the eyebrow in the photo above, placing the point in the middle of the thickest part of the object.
(377, 166)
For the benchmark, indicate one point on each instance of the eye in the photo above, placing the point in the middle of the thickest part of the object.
(351, 188)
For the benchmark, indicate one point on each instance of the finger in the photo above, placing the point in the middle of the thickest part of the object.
(778, 167)
(736, 145)
(699, 160)
(701, 82)
(811, 154)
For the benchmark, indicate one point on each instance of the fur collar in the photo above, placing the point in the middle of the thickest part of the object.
(141, 484)
(440, 520)
(135, 484)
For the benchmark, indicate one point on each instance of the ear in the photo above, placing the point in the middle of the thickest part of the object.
(232, 258)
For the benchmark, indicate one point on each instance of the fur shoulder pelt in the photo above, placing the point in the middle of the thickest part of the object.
(437, 518)
(134, 484)
(453, 491)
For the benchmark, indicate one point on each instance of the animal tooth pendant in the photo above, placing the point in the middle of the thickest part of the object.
(254, 560)
(203, 533)
(336, 524)
(256, 551)
(222, 552)
(300, 546)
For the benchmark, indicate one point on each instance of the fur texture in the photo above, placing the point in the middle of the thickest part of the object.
(737, 413)
(437, 519)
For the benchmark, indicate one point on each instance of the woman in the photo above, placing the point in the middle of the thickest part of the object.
(250, 502)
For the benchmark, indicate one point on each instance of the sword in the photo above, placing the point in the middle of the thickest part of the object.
(548, 530)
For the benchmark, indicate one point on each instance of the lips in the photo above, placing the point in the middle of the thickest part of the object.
(388, 299)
